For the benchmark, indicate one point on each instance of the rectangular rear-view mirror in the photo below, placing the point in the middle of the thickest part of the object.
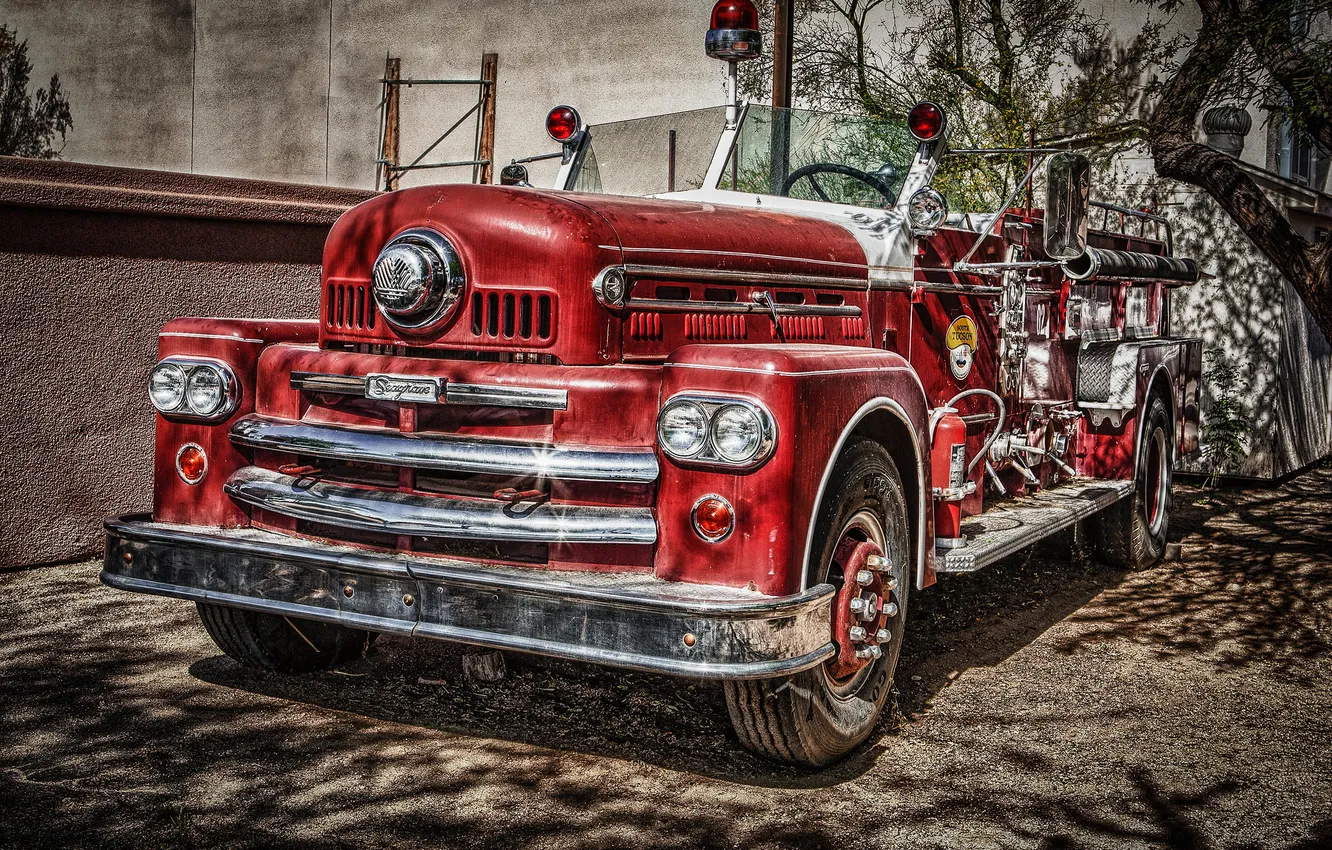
(1067, 187)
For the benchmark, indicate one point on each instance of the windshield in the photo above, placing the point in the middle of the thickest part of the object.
(799, 153)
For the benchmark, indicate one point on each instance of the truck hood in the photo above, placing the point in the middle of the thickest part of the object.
(529, 257)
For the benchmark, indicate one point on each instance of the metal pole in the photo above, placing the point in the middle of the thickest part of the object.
(389, 152)
(486, 145)
(782, 49)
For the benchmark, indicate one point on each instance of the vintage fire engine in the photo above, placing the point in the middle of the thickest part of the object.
(714, 406)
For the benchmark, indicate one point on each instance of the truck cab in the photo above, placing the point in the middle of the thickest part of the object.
(713, 406)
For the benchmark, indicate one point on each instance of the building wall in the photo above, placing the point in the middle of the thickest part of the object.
(95, 261)
(289, 90)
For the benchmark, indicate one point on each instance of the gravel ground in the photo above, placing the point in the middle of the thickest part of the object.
(1046, 703)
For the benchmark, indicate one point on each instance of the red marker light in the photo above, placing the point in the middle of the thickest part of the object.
(563, 123)
(191, 463)
(734, 15)
(926, 121)
(713, 518)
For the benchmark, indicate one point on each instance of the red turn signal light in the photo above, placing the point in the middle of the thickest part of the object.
(926, 121)
(563, 123)
(734, 15)
(191, 463)
(713, 518)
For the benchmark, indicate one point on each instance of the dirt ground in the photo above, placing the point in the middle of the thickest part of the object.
(1046, 703)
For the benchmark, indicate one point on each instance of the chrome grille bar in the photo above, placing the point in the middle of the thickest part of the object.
(391, 512)
(446, 452)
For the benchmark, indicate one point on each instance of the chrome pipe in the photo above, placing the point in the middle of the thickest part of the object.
(392, 512)
(445, 452)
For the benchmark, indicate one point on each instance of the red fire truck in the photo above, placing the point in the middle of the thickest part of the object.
(715, 406)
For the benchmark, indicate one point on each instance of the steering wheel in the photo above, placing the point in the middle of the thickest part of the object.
(871, 180)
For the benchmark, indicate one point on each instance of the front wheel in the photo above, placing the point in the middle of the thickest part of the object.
(283, 644)
(862, 543)
(1132, 534)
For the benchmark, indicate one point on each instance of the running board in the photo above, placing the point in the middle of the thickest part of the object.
(1014, 525)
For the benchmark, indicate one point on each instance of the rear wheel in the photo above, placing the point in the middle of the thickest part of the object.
(280, 643)
(862, 543)
(1132, 534)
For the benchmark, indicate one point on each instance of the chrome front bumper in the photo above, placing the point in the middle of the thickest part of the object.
(627, 620)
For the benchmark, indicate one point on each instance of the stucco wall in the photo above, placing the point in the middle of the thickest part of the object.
(93, 262)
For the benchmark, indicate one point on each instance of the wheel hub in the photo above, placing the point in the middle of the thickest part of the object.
(863, 606)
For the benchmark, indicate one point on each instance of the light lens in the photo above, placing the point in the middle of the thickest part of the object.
(713, 518)
(926, 121)
(166, 387)
(206, 391)
(191, 463)
(737, 433)
(734, 15)
(927, 209)
(682, 429)
(563, 123)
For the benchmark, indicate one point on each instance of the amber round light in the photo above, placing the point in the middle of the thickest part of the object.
(734, 15)
(562, 123)
(713, 518)
(925, 121)
(191, 463)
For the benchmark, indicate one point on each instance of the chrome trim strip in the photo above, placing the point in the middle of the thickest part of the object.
(391, 512)
(633, 621)
(662, 305)
(507, 396)
(760, 278)
(446, 452)
(494, 395)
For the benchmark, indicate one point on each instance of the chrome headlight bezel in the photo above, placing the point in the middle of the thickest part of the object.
(708, 453)
(611, 287)
(188, 366)
(927, 210)
(432, 299)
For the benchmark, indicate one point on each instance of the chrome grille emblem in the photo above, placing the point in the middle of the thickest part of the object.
(417, 280)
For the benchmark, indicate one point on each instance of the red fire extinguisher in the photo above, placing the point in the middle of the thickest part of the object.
(948, 460)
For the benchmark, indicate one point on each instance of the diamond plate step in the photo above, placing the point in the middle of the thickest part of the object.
(1015, 524)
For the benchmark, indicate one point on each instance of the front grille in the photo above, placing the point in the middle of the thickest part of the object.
(513, 315)
(349, 307)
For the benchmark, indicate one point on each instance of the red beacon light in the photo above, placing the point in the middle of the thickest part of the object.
(926, 121)
(563, 123)
(734, 35)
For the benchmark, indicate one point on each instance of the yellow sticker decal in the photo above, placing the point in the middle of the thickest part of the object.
(961, 332)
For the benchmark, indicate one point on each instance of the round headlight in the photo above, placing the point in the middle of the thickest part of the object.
(166, 386)
(927, 209)
(737, 433)
(417, 279)
(206, 391)
(682, 428)
(611, 286)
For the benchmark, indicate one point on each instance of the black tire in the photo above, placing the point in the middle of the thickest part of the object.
(809, 718)
(282, 644)
(1132, 534)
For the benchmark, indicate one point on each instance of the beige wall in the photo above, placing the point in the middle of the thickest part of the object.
(288, 90)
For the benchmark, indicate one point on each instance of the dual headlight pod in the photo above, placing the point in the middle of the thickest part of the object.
(194, 388)
(716, 430)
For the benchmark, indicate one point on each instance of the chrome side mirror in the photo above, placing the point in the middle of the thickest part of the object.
(1067, 187)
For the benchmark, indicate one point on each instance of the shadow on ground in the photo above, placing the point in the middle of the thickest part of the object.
(1016, 722)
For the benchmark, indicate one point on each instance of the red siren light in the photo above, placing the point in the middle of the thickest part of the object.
(734, 35)
(734, 15)
(926, 121)
(563, 123)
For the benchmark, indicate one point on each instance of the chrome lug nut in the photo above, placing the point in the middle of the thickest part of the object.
(890, 609)
(871, 651)
(890, 583)
(864, 578)
(866, 608)
(878, 562)
(857, 633)
(858, 605)
(883, 635)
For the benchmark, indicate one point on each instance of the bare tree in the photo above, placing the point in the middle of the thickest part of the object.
(29, 122)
